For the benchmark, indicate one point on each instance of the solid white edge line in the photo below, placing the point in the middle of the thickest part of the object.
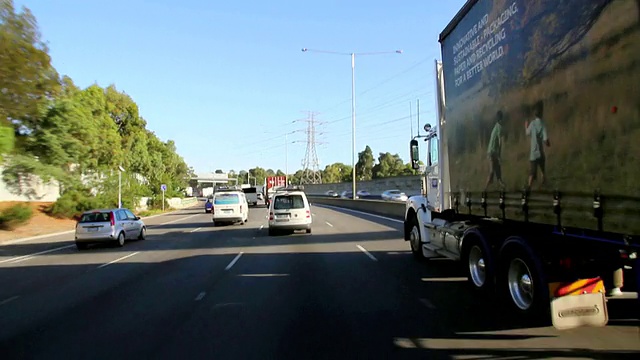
(43, 236)
(194, 230)
(200, 296)
(361, 212)
(328, 223)
(29, 256)
(233, 262)
(367, 253)
(119, 259)
(5, 301)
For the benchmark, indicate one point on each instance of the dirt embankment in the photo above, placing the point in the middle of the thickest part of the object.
(40, 223)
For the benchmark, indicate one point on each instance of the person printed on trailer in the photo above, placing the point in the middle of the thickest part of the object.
(494, 150)
(537, 131)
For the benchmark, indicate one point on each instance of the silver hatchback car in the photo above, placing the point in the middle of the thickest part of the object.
(110, 225)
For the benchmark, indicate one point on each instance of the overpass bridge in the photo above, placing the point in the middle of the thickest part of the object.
(209, 180)
(212, 178)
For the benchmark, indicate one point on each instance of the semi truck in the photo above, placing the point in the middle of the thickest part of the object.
(532, 176)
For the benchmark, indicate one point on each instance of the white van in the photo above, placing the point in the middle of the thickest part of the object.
(289, 211)
(229, 206)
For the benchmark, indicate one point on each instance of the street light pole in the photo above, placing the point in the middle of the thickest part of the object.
(120, 170)
(353, 104)
(286, 157)
(353, 126)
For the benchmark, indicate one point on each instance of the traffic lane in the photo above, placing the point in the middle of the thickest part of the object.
(253, 235)
(309, 299)
(124, 310)
(27, 274)
(119, 281)
(116, 283)
(441, 285)
(317, 299)
(150, 337)
(349, 213)
(122, 303)
(53, 243)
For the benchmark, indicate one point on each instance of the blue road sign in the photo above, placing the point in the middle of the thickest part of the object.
(163, 187)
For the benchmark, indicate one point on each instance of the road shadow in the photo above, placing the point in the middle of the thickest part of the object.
(284, 306)
(443, 284)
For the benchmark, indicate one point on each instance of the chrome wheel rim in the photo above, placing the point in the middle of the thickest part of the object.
(477, 267)
(520, 284)
(414, 238)
(121, 239)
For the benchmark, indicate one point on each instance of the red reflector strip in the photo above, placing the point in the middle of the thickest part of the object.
(582, 286)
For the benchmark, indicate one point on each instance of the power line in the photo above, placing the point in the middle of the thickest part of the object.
(409, 69)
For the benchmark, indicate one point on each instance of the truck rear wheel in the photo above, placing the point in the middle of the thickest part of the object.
(523, 280)
(415, 239)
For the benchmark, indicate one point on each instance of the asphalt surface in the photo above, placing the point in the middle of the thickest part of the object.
(193, 291)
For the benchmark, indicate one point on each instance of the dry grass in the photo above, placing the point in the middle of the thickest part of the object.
(40, 223)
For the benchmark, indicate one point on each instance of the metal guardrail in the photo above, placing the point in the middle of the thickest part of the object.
(390, 209)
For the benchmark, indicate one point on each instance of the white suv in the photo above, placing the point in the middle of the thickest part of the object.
(289, 211)
(229, 206)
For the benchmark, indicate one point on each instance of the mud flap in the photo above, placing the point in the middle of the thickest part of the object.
(581, 303)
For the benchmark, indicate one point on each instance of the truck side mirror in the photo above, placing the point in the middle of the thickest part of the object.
(414, 150)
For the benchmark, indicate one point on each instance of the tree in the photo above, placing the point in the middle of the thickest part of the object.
(296, 178)
(55, 130)
(408, 169)
(364, 166)
(123, 111)
(242, 177)
(388, 165)
(336, 173)
(7, 140)
(27, 78)
(260, 174)
(218, 171)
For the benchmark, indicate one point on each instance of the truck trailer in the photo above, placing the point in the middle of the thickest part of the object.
(532, 174)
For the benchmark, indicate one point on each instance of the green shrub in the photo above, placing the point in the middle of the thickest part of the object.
(14, 216)
(155, 203)
(72, 203)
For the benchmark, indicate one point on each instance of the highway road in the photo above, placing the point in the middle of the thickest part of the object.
(193, 291)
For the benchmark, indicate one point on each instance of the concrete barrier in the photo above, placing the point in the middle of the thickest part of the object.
(390, 209)
(411, 185)
(179, 203)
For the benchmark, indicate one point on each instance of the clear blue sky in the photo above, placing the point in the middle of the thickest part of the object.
(227, 79)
